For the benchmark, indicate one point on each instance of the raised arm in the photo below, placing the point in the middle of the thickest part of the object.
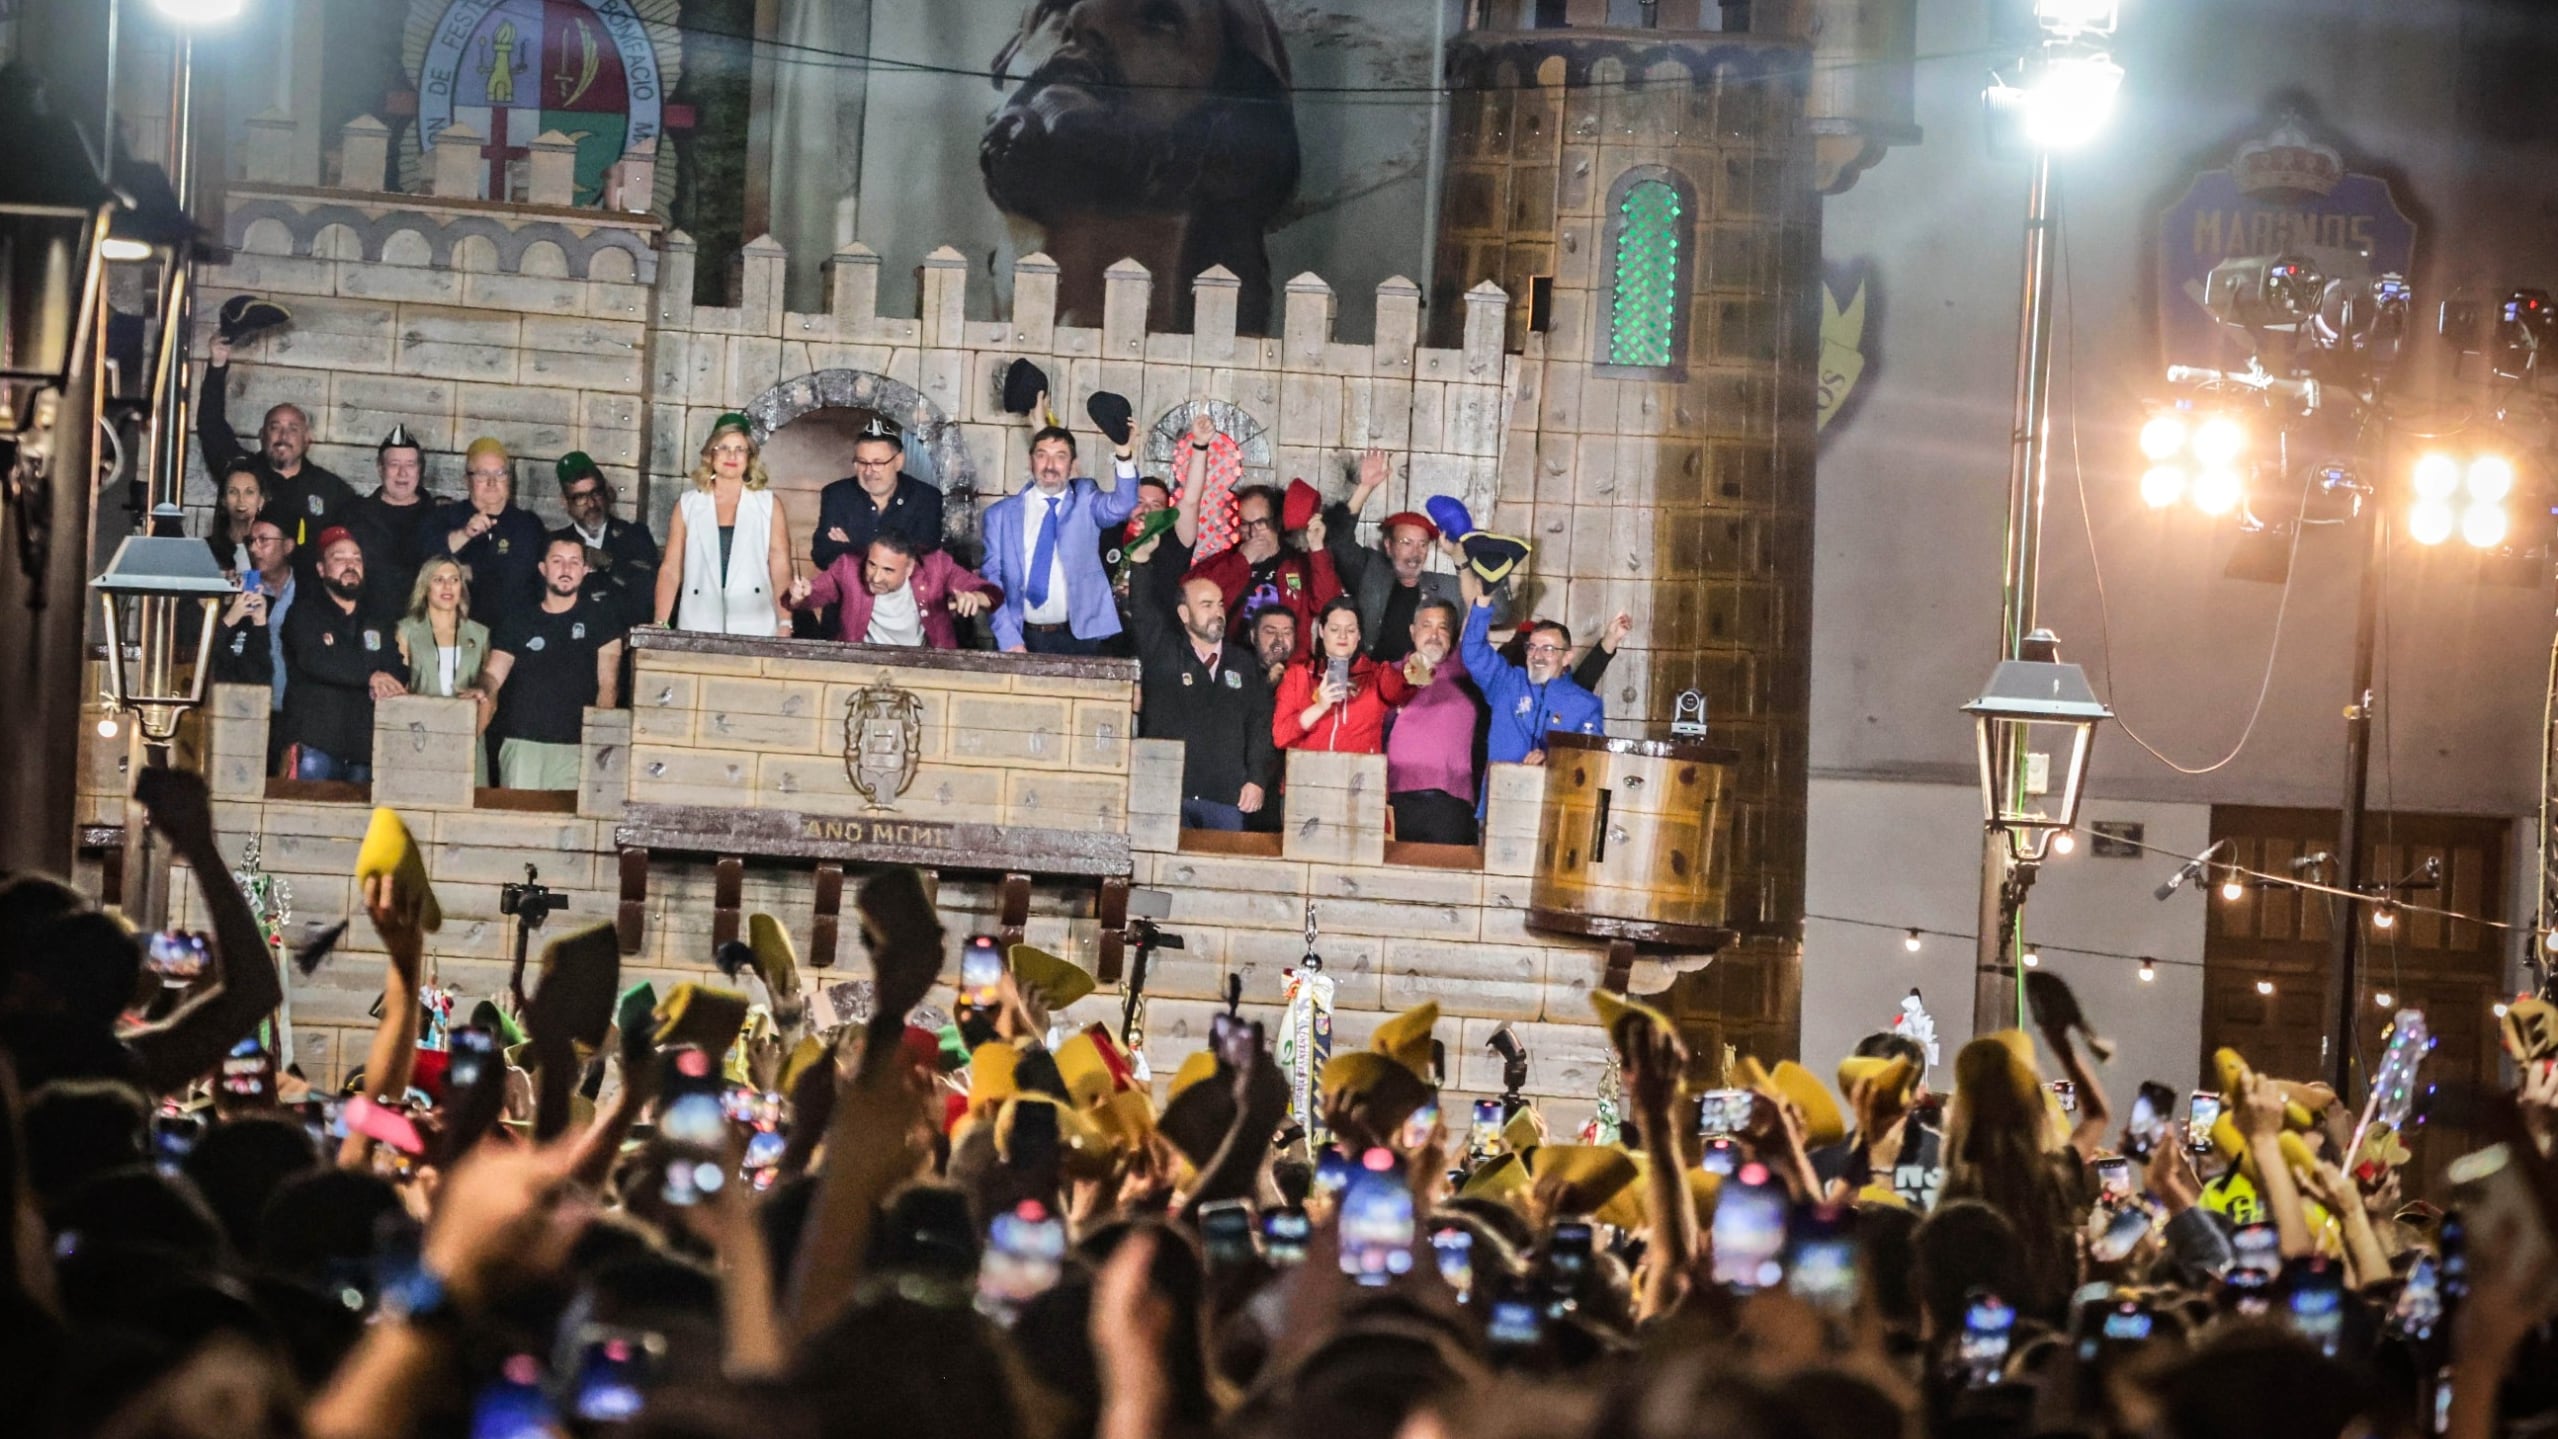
(194, 1039)
(1194, 481)
(394, 1050)
(213, 432)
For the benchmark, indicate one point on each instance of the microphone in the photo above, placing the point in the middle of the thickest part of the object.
(2193, 869)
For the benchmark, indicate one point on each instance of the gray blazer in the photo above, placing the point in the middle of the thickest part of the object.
(1367, 576)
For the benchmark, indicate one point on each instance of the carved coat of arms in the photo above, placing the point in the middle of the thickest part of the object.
(883, 741)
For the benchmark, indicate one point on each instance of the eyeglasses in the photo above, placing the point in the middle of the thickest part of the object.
(1257, 525)
(579, 497)
(1548, 648)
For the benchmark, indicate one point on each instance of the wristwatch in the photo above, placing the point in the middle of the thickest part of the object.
(419, 1299)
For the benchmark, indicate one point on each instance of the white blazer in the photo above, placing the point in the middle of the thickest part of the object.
(739, 602)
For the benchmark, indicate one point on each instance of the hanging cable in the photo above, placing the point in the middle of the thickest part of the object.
(2096, 568)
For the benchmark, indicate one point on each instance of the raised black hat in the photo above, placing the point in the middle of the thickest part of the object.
(1024, 383)
(245, 317)
(1112, 416)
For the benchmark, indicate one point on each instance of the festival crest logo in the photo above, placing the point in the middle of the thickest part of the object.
(597, 71)
(883, 741)
(2287, 192)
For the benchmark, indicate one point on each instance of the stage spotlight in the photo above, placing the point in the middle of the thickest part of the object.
(2220, 440)
(2217, 491)
(2491, 477)
(2162, 486)
(2484, 525)
(2436, 477)
(2163, 438)
(2068, 99)
(2430, 522)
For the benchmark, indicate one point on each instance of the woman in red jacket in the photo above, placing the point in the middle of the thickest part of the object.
(1335, 699)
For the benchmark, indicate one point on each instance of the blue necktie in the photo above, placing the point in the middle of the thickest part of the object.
(1043, 555)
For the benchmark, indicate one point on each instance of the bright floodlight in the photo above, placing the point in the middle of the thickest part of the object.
(2220, 440)
(2484, 525)
(2068, 100)
(199, 12)
(2162, 437)
(2164, 485)
(2218, 490)
(2436, 477)
(2077, 17)
(2491, 477)
(2430, 522)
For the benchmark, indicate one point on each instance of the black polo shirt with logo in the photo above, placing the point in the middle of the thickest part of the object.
(330, 658)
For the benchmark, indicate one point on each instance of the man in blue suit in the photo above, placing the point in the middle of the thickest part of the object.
(1043, 550)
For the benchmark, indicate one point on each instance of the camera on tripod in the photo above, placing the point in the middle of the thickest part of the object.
(530, 902)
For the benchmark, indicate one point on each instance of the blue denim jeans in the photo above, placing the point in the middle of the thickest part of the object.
(308, 763)
(1208, 814)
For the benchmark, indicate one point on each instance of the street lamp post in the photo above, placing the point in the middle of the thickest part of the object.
(2065, 93)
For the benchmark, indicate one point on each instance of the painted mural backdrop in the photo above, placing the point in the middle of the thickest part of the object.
(597, 71)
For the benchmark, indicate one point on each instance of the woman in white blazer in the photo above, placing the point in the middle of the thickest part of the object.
(729, 569)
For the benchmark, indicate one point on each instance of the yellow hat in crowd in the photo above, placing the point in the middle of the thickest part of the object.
(1614, 1009)
(1393, 1071)
(1790, 1083)
(1891, 1080)
(1060, 983)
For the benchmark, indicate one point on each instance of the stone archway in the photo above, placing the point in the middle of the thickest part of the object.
(928, 430)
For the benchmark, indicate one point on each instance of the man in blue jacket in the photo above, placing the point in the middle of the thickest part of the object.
(1043, 550)
(1525, 702)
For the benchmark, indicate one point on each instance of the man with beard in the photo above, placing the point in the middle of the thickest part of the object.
(1263, 562)
(621, 555)
(1430, 749)
(893, 596)
(498, 543)
(309, 497)
(1210, 694)
(1273, 627)
(1529, 700)
(396, 524)
(337, 662)
(1389, 581)
(1159, 130)
(549, 662)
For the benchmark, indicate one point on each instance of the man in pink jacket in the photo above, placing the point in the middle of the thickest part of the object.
(889, 595)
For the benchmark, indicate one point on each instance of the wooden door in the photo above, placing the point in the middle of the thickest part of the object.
(2453, 970)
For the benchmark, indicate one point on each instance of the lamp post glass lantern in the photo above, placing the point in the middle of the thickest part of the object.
(2035, 724)
(141, 593)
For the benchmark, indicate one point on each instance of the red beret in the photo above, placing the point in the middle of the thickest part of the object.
(333, 534)
(1301, 506)
(1415, 519)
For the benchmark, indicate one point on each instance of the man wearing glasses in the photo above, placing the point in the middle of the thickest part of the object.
(1261, 559)
(878, 499)
(621, 555)
(1526, 702)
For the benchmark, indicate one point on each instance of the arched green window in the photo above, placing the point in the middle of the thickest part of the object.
(1650, 215)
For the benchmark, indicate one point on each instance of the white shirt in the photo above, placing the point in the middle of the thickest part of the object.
(895, 619)
(448, 664)
(595, 537)
(1034, 517)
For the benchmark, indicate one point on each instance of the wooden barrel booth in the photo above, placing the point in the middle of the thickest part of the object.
(1632, 847)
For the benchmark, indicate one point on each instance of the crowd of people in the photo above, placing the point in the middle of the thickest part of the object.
(1259, 621)
(727, 1211)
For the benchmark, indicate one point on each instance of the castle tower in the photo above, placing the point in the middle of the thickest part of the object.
(1650, 199)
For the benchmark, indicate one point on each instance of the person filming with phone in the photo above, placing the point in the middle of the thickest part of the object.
(1336, 699)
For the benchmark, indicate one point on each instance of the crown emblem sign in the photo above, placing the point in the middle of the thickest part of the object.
(2287, 161)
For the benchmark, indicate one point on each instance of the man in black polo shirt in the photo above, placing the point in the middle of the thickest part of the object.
(337, 661)
(310, 497)
(545, 666)
(499, 542)
(1205, 692)
(878, 499)
(621, 555)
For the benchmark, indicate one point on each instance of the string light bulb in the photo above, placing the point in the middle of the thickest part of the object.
(2064, 843)
(2549, 941)
(2032, 960)
(2385, 916)
(2233, 889)
(2149, 970)
(2384, 999)
(107, 727)
(2499, 1007)
(1910, 941)
(2265, 987)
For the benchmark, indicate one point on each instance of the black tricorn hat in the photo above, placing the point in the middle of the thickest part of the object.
(1024, 383)
(245, 317)
(1112, 416)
